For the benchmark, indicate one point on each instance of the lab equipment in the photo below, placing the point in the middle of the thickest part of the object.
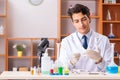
(46, 63)
(60, 70)
(42, 47)
(111, 35)
(119, 65)
(112, 68)
(66, 70)
(108, 15)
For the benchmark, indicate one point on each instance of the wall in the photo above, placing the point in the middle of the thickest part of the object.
(26, 20)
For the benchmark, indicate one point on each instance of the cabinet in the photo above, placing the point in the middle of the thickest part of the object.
(114, 10)
(3, 33)
(30, 53)
(65, 24)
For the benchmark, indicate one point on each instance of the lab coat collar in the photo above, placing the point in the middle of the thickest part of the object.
(87, 35)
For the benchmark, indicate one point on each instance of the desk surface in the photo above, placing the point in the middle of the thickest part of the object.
(27, 75)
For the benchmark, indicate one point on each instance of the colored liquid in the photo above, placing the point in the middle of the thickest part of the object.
(112, 69)
(60, 70)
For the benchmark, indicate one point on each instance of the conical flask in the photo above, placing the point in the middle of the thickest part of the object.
(112, 68)
(111, 35)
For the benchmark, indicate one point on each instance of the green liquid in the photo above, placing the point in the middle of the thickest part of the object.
(60, 70)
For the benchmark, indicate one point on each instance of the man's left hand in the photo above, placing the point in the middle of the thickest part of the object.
(94, 55)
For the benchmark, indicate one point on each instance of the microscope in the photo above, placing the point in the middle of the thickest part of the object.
(44, 43)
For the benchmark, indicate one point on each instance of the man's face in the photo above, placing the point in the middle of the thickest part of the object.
(81, 23)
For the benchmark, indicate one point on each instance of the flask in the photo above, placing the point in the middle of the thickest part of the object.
(111, 35)
(32, 71)
(38, 70)
(112, 68)
(46, 63)
(119, 65)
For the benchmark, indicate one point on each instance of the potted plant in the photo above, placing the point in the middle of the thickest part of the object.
(19, 48)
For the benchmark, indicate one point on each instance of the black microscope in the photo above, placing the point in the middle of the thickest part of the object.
(44, 43)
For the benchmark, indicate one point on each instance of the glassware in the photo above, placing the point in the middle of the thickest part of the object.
(108, 15)
(111, 35)
(119, 65)
(112, 68)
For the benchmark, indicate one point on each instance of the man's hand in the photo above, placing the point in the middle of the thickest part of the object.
(74, 58)
(94, 55)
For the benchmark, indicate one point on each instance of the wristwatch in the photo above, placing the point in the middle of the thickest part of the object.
(35, 2)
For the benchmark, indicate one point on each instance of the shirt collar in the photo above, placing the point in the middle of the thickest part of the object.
(87, 35)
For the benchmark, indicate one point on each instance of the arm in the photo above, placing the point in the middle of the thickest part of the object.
(106, 55)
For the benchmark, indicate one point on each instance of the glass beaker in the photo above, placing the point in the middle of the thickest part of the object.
(112, 68)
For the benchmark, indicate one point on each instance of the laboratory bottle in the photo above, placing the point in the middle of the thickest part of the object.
(60, 68)
(66, 70)
(119, 65)
(112, 68)
(46, 63)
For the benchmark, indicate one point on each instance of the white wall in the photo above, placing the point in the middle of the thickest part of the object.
(26, 20)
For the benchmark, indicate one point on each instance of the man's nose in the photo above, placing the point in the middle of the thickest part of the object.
(80, 23)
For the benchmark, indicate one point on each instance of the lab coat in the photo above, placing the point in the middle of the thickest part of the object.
(71, 44)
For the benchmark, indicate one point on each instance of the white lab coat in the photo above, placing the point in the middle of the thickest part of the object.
(72, 44)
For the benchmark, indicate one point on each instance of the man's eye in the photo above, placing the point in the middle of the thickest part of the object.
(76, 21)
(84, 19)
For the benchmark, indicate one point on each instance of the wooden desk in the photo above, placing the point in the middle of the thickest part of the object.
(27, 75)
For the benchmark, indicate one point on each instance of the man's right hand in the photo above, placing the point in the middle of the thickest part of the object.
(74, 58)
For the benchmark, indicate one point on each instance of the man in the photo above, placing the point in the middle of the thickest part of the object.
(84, 49)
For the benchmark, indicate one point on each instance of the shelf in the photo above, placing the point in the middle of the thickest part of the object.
(52, 57)
(110, 4)
(64, 35)
(116, 57)
(2, 54)
(65, 16)
(19, 57)
(104, 21)
(115, 39)
(2, 15)
(2, 35)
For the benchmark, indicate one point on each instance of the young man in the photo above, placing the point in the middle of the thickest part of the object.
(84, 49)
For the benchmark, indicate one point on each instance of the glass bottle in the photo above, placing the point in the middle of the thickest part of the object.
(111, 35)
(112, 68)
(119, 65)
(108, 15)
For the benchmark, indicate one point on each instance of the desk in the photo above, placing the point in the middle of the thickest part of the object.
(27, 75)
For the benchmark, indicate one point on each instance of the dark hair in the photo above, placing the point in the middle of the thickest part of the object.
(79, 8)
